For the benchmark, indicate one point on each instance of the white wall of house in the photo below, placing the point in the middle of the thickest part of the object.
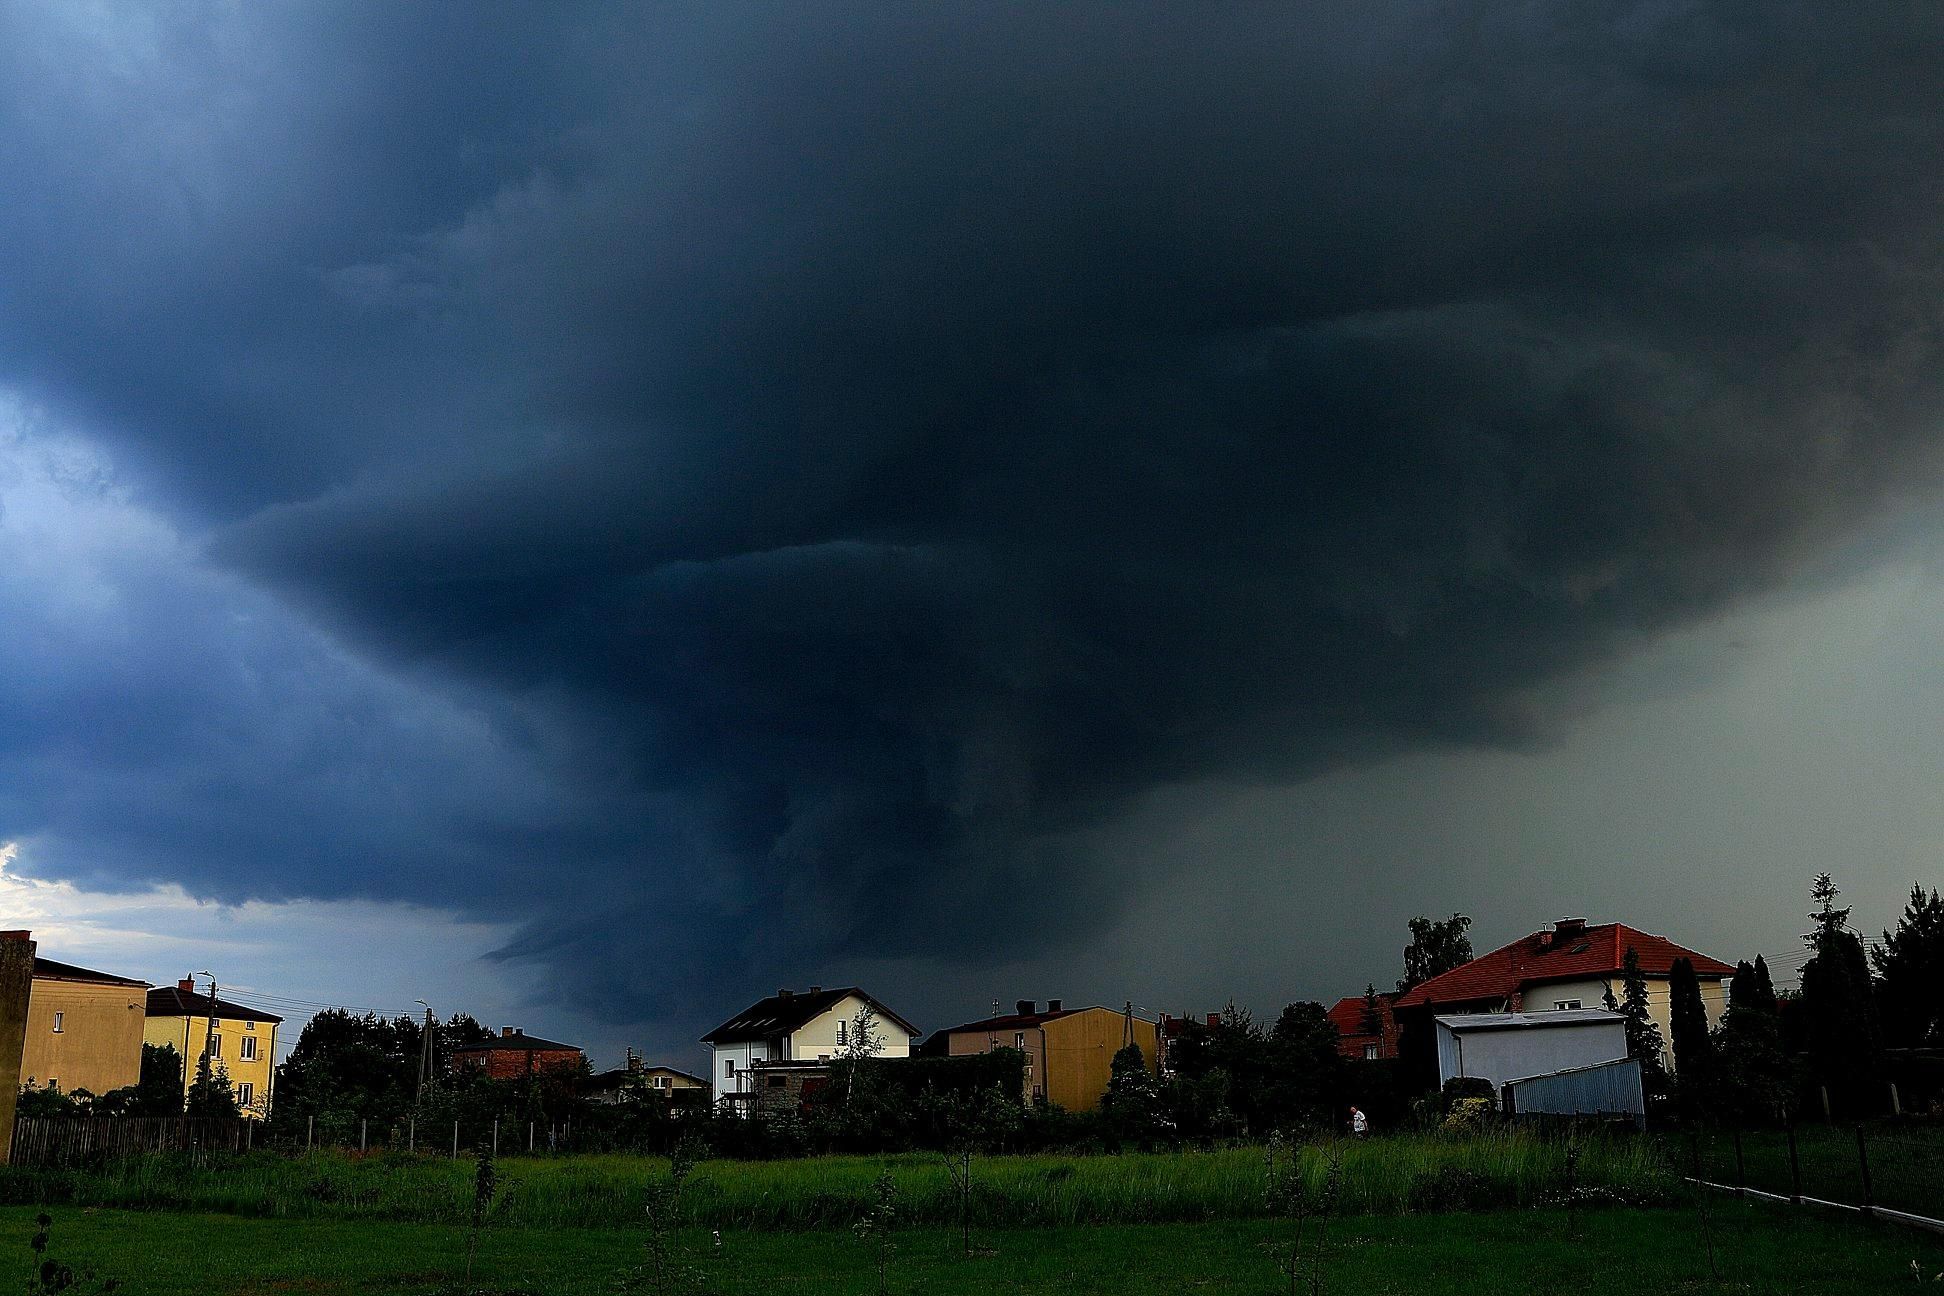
(732, 1062)
(1591, 994)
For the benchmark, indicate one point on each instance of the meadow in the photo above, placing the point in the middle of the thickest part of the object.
(1504, 1210)
(1757, 1251)
(1385, 1176)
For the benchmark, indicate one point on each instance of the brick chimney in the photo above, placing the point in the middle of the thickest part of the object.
(1053, 1005)
(187, 985)
(508, 1030)
(1024, 1007)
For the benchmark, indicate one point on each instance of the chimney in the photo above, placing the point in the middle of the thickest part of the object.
(1053, 1005)
(1024, 1007)
(786, 993)
(1568, 927)
(187, 985)
(634, 1060)
(20, 933)
(508, 1030)
(1214, 1020)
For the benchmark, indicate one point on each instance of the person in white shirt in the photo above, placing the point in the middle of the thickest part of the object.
(1359, 1123)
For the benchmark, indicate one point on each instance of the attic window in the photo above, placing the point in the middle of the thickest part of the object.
(1580, 948)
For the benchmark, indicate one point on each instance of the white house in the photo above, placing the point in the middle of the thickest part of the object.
(796, 1031)
(1498, 1047)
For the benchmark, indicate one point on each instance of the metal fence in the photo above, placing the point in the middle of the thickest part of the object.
(507, 1137)
(89, 1140)
(1892, 1170)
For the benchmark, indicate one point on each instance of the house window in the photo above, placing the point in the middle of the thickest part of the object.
(215, 1046)
(58, 1019)
(1370, 1052)
(1019, 1039)
(661, 1082)
(776, 1082)
(248, 1049)
(249, 1025)
(842, 1028)
(245, 1094)
(1563, 1004)
(728, 1066)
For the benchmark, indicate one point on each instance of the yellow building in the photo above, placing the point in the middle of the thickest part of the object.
(242, 1041)
(1069, 1051)
(84, 1029)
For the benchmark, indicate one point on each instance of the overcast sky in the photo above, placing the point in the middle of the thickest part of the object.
(586, 515)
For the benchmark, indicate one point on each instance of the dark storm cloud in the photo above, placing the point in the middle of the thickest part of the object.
(898, 438)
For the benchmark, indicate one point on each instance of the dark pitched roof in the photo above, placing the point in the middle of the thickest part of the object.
(517, 1042)
(622, 1075)
(1557, 956)
(55, 970)
(173, 1001)
(1008, 1022)
(788, 1011)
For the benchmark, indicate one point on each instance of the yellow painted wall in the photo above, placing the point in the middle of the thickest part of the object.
(818, 1036)
(99, 1044)
(1080, 1050)
(186, 1034)
(1030, 1040)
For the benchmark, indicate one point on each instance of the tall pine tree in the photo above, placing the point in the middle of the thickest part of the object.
(1643, 1036)
(1693, 1050)
(1838, 1005)
(1911, 963)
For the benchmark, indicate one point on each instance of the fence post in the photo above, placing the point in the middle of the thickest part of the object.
(1896, 1102)
(310, 1128)
(529, 1138)
(495, 1136)
(455, 1140)
(1863, 1164)
(1741, 1171)
(364, 1127)
(411, 1135)
(249, 1136)
(1825, 1101)
(1795, 1166)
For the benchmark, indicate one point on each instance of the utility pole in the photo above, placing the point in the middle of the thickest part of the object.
(427, 1055)
(209, 1029)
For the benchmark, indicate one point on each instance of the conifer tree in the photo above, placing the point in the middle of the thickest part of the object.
(1911, 963)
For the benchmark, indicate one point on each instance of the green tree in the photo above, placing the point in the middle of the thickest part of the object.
(1643, 1036)
(1133, 1104)
(159, 1091)
(210, 1094)
(1911, 965)
(1838, 1006)
(1305, 1068)
(1435, 949)
(1752, 1071)
(1693, 1048)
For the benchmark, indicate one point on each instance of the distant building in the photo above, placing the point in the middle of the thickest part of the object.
(242, 1041)
(1567, 967)
(639, 1081)
(513, 1055)
(1069, 1051)
(84, 1029)
(777, 1043)
(1358, 1037)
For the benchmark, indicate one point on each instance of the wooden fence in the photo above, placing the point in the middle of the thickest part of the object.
(87, 1140)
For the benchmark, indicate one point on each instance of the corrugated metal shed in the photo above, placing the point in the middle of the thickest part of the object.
(1498, 1047)
(1603, 1089)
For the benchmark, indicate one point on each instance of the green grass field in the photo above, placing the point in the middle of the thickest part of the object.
(1381, 1176)
(1613, 1252)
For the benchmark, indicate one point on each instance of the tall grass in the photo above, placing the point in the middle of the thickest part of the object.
(1380, 1176)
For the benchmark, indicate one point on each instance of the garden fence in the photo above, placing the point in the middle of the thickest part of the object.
(87, 1140)
(1892, 1170)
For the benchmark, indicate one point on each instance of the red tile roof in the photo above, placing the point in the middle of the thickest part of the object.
(1348, 1015)
(1552, 955)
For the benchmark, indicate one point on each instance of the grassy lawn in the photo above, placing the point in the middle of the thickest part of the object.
(1381, 1176)
(1620, 1251)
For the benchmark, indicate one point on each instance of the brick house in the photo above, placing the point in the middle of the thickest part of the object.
(1356, 1040)
(513, 1055)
